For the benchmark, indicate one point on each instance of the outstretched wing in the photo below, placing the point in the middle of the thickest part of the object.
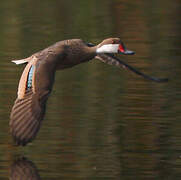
(113, 60)
(29, 108)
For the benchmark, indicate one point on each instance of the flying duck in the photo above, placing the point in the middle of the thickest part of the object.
(37, 79)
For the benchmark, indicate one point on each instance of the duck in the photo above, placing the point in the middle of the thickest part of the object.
(38, 77)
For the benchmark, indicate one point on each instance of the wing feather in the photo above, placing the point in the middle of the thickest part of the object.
(29, 107)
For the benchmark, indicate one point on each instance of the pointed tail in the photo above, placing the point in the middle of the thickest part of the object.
(22, 61)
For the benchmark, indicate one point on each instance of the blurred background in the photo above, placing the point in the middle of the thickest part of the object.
(102, 122)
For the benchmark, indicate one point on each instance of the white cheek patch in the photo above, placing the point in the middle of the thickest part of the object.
(108, 48)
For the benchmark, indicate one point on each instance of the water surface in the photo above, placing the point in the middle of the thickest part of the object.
(101, 122)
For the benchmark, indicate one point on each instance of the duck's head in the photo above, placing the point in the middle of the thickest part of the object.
(113, 45)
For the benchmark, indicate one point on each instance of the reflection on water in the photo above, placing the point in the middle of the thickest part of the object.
(23, 169)
(101, 122)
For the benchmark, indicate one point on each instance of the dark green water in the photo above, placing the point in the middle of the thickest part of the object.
(101, 122)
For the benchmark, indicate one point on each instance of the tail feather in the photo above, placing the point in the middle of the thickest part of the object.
(22, 61)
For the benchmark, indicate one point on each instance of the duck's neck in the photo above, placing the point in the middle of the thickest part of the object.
(92, 51)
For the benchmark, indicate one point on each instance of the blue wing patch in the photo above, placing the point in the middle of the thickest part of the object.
(30, 77)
